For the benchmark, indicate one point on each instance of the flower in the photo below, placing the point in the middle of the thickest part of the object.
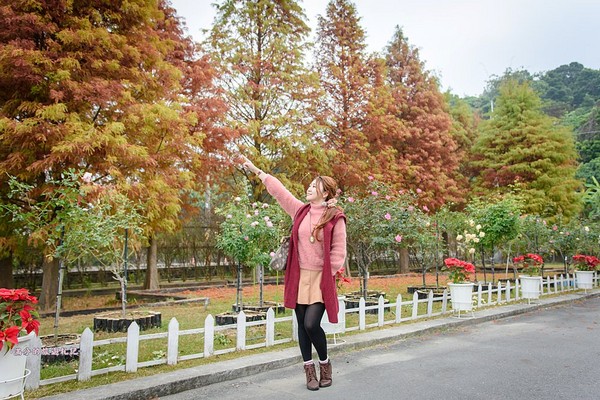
(398, 238)
(585, 263)
(341, 278)
(531, 263)
(387, 216)
(458, 270)
(350, 199)
(17, 316)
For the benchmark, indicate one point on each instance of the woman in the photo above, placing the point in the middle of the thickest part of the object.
(317, 252)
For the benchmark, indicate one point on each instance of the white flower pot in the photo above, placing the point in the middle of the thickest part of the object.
(12, 367)
(531, 286)
(585, 279)
(461, 296)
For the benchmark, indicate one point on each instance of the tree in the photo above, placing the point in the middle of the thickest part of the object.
(521, 149)
(113, 88)
(345, 78)
(259, 47)
(77, 221)
(427, 152)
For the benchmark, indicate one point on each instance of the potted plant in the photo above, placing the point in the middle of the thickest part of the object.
(531, 280)
(585, 266)
(18, 324)
(461, 287)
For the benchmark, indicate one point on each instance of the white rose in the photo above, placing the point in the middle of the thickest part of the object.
(478, 227)
(482, 234)
(459, 237)
(471, 250)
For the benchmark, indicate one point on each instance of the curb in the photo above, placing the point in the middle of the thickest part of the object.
(168, 383)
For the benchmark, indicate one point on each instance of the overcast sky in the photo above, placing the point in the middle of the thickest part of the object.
(464, 42)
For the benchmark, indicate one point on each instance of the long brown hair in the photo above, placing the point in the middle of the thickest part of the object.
(330, 186)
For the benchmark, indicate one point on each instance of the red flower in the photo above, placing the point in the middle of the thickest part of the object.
(17, 315)
(10, 335)
(458, 269)
(585, 263)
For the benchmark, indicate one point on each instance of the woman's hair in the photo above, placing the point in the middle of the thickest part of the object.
(329, 185)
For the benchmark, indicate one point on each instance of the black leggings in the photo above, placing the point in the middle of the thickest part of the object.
(310, 331)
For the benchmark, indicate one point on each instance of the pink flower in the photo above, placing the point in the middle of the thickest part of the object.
(398, 238)
(554, 227)
(419, 190)
(269, 224)
(350, 199)
(374, 193)
(246, 238)
(371, 177)
(387, 216)
(87, 177)
(401, 191)
(410, 208)
(272, 254)
(425, 208)
(388, 197)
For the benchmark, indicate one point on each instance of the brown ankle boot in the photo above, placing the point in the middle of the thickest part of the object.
(311, 377)
(326, 372)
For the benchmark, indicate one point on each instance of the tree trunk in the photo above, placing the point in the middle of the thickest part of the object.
(47, 299)
(152, 278)
(6, 272)
(404, 261)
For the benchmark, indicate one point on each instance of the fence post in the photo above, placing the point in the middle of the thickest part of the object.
(430, 303)
(415, 305)
(294, 326)
(241, 331)
(508, 289)
(270, 326)
(209, 336)
(342, 314)
(399, 308)
(517, 289)
(34, 364)
(86, 352)
(133, 347)
(362, 319)
(555, 285)
(480, 294)
(173, 341)
(489, 292)
(445, 301)
(380, 311)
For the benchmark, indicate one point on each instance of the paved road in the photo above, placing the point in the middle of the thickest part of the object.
(548, 354)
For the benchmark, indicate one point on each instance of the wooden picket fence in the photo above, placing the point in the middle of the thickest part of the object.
(402, 310)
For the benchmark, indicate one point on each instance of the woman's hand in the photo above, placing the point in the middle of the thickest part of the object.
(247, 164)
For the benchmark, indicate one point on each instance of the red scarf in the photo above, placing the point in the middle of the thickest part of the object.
(292, 270)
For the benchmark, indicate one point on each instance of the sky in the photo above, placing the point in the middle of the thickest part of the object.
(463, 42)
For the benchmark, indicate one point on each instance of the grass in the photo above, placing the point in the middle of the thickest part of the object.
(192, 315)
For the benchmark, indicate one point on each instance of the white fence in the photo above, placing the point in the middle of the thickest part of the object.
(398, 312)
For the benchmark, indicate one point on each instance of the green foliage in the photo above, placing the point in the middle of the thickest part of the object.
(498, 219)
(75, 219)
(521, 149)
(250, 231)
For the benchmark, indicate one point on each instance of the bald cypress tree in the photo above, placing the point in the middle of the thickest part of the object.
(259, 48)
(522, 150)
(426, 150)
